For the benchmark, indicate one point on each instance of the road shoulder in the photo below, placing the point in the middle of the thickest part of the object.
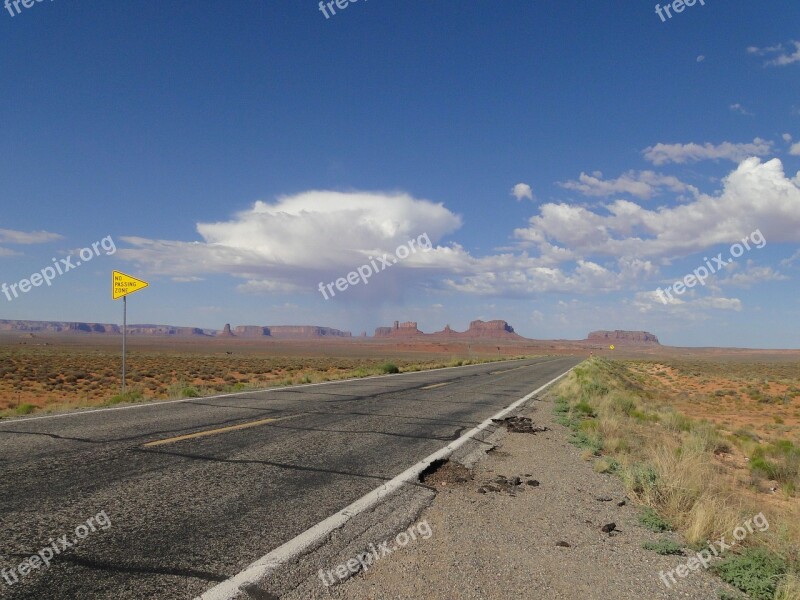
(491, 539)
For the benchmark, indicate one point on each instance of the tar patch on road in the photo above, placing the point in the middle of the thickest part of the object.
(520, 425)
(509, 485)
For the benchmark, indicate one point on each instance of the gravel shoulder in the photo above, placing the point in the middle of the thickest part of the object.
(526, 540)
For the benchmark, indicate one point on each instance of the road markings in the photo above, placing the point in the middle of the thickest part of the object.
(260, 570)
(435, 385)
(506, 371)
(197, 434)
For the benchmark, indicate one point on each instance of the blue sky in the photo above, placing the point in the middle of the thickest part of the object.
(239, 154)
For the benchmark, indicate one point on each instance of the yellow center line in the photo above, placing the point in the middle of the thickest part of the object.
(506, 371)
(190, 436)
(435, 385)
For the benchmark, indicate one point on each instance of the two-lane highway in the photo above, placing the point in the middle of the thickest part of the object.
(196, 490)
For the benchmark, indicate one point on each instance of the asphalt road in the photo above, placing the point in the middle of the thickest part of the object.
(180, 496)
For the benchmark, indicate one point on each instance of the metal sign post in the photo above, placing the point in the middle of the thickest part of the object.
(121, 286)
(124, 335)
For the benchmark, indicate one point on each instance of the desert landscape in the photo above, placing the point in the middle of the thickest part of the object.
(351, 300)
(61, 365)
(725, 420)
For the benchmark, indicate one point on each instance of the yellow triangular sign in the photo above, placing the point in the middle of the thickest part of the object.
(122, 285)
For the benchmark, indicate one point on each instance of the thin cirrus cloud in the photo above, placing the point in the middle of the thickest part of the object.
(642, 184)
(739, 109)
(751, 275)
(14, 237)
(662, 154)
(690, 307)
(779, 55)
(10, 236)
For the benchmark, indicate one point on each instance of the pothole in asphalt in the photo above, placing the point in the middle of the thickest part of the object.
(520, 425)
(441, 473)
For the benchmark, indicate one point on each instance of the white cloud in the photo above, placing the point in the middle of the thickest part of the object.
(701, 58)
(662, 154)
(5, 252)
(291, 245)
(10, 236)
(795, 149)
(522, 190)
(750, 276)
(789, 262)
(762, 51)
(642, 184)
(718, 303)
(780, 55)
(298, 241)
(685, 307)
(738, 108)
(787, 137)
(265, 286)
(754, 196)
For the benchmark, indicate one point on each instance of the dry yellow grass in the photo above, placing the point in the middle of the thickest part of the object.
(692, 472)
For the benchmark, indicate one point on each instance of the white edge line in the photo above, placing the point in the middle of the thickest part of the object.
(261, 569)
(79, 412)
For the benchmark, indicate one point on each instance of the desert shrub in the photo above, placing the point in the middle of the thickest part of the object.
(190, 392)
(664, 546)
(653, 521)
(779, 460)
(756, 571)
(675, 421)
(131, 395)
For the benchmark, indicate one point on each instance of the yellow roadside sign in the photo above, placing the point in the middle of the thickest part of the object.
(123, 284)
(611, 347)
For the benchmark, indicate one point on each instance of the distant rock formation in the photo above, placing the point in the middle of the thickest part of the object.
(245, 331)
(58, 327)
(489, 328)
(477, 329)
(304, 332)
(98, 328)
(408, 328)
(623, 337)
(168, 330)
(251, 331)
(289, 332)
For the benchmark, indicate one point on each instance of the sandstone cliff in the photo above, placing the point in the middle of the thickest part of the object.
(623, 337)
(477, 329)
(251, 331)
(289, 332)
(305, 331)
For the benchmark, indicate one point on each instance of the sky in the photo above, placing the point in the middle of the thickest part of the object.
(555, 165)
